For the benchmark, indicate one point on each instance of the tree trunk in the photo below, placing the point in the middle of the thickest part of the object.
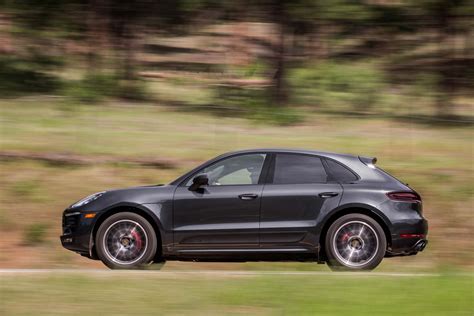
(279, 93)
(93, 18)
(446, 86)
(128, 60)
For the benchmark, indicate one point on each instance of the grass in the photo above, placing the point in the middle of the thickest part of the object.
(78, 294)
(436, 161)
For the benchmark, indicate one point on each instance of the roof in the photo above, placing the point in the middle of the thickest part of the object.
(290, 150)
(352, 161)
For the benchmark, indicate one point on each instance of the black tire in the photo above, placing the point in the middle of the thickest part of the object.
(112, 227)
(342, 243)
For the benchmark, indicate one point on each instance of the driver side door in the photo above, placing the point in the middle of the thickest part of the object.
(224, 215)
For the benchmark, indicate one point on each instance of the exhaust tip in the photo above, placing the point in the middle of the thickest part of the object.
(420, 245)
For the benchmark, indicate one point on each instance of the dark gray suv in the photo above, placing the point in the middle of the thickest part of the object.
(261, 204)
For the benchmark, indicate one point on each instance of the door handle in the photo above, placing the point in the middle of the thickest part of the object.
(248, 196)
(326, 195)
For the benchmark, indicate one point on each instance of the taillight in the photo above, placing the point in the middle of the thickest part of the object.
(404, 196)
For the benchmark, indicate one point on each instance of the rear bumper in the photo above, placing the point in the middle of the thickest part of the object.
(409, 238)
(419, 246)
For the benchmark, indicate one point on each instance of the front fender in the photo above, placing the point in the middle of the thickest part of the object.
(154, 213)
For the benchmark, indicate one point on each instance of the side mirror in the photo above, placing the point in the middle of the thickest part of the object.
(199, 181)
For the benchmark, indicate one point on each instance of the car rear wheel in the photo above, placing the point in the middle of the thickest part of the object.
(126, 241)
(355, 242)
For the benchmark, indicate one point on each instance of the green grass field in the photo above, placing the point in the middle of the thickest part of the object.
(435, 160)
(157, 294)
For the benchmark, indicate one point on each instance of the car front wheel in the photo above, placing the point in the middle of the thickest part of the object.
(355, 242)
(126, 241)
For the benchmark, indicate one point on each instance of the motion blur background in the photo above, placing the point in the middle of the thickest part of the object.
(105, 94)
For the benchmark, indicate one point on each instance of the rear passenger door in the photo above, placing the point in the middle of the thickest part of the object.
(297, 191)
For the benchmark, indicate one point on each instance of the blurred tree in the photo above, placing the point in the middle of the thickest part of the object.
(445, 28)
(449, 21)
(409, 38)
(36, 36)
(318, 20)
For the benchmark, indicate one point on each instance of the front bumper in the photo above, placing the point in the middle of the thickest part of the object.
(77, 231)
(76, 243)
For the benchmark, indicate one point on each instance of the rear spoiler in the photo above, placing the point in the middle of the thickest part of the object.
(369, 161)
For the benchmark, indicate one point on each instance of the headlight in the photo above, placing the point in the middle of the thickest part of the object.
(88, 199)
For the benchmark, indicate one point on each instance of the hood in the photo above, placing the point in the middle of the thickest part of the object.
(153, 194)
(140, 195)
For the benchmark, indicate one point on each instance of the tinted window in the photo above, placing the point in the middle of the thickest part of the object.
(340, 172)
(298, 169)
(242, 169)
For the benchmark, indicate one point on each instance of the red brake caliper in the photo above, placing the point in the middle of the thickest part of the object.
(138, 240)
(345, 237)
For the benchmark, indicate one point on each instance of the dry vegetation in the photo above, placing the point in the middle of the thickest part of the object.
(436, 161)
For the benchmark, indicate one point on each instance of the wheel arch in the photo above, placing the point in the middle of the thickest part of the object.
(364, 209)
(132, 208)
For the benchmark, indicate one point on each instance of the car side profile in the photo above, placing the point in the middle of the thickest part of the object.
(260, 204)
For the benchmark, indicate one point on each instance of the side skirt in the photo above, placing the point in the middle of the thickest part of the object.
(242, 255)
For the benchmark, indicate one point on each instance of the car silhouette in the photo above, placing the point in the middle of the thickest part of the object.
(260, 204)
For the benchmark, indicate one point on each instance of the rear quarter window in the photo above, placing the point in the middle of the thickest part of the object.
(339, 172)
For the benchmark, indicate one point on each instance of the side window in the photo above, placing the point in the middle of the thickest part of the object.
(238, 170)
(298, 169)
(340, 172)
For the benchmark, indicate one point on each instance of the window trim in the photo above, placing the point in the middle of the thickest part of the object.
(270, 176)
(196, 171)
